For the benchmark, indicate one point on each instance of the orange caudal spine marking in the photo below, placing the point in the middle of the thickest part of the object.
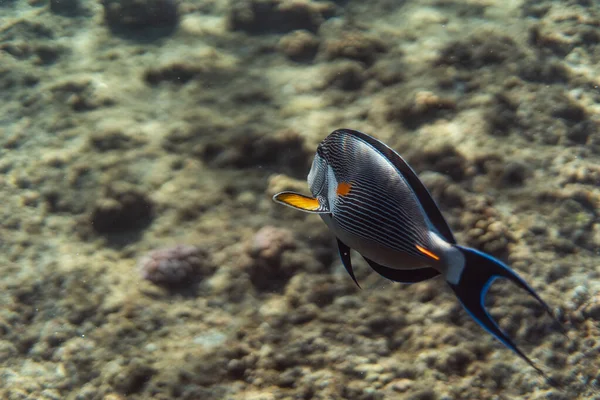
(427, 253)
(343, 188)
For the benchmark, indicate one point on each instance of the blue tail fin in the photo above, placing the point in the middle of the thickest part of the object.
(479, 272)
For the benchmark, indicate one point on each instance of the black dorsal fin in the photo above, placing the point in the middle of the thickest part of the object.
(429, 205)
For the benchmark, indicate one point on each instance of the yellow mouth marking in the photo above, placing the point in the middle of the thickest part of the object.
(343, 188)
(427, 252)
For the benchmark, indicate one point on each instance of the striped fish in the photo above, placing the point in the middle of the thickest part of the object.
(374, 203)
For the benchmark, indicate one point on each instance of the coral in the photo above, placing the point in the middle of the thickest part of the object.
(501, 116)
(175, 266)
(388, 72)
(183, 138)
(67, 8)
(501, 172)
(113, 137)
(122, 208)
(300, 45)
(320, 290)
(81, 94)
(264, 16)
(280, 182)
(554, 118)
(446, 193)
(515, 173)
(420, 108)
(445, 159)
(285, 149)
(575, 219)
(157, 16)
(177, 72)
(131, 377)
(355, 46)
(479, 51)
(484, 228)
(269, 243)
(581, 172)
(559, 30)
(592, 308)
(267, 249)
(345, 76)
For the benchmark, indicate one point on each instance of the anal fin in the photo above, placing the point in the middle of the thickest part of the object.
(403, 275)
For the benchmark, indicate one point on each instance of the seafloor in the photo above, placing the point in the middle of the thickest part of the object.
(135, 125)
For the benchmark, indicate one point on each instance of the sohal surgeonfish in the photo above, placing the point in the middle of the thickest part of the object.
(374, 203)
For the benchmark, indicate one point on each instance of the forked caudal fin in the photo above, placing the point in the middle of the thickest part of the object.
(479, 272)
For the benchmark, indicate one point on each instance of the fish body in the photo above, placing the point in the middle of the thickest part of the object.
(374, 203)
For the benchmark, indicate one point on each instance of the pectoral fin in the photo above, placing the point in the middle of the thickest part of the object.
(345, 256)
(403, 275)
(300, 202)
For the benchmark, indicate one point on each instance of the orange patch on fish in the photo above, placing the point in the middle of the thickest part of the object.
(343, 188)
(427, 253)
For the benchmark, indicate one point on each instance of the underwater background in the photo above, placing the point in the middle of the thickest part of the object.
(141, 141)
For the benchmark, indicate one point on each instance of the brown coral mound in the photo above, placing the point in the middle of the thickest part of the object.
(174, 266)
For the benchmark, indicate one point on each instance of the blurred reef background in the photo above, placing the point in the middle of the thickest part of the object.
(141, 256)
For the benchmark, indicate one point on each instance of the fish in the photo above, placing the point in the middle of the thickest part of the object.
(375, 204)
